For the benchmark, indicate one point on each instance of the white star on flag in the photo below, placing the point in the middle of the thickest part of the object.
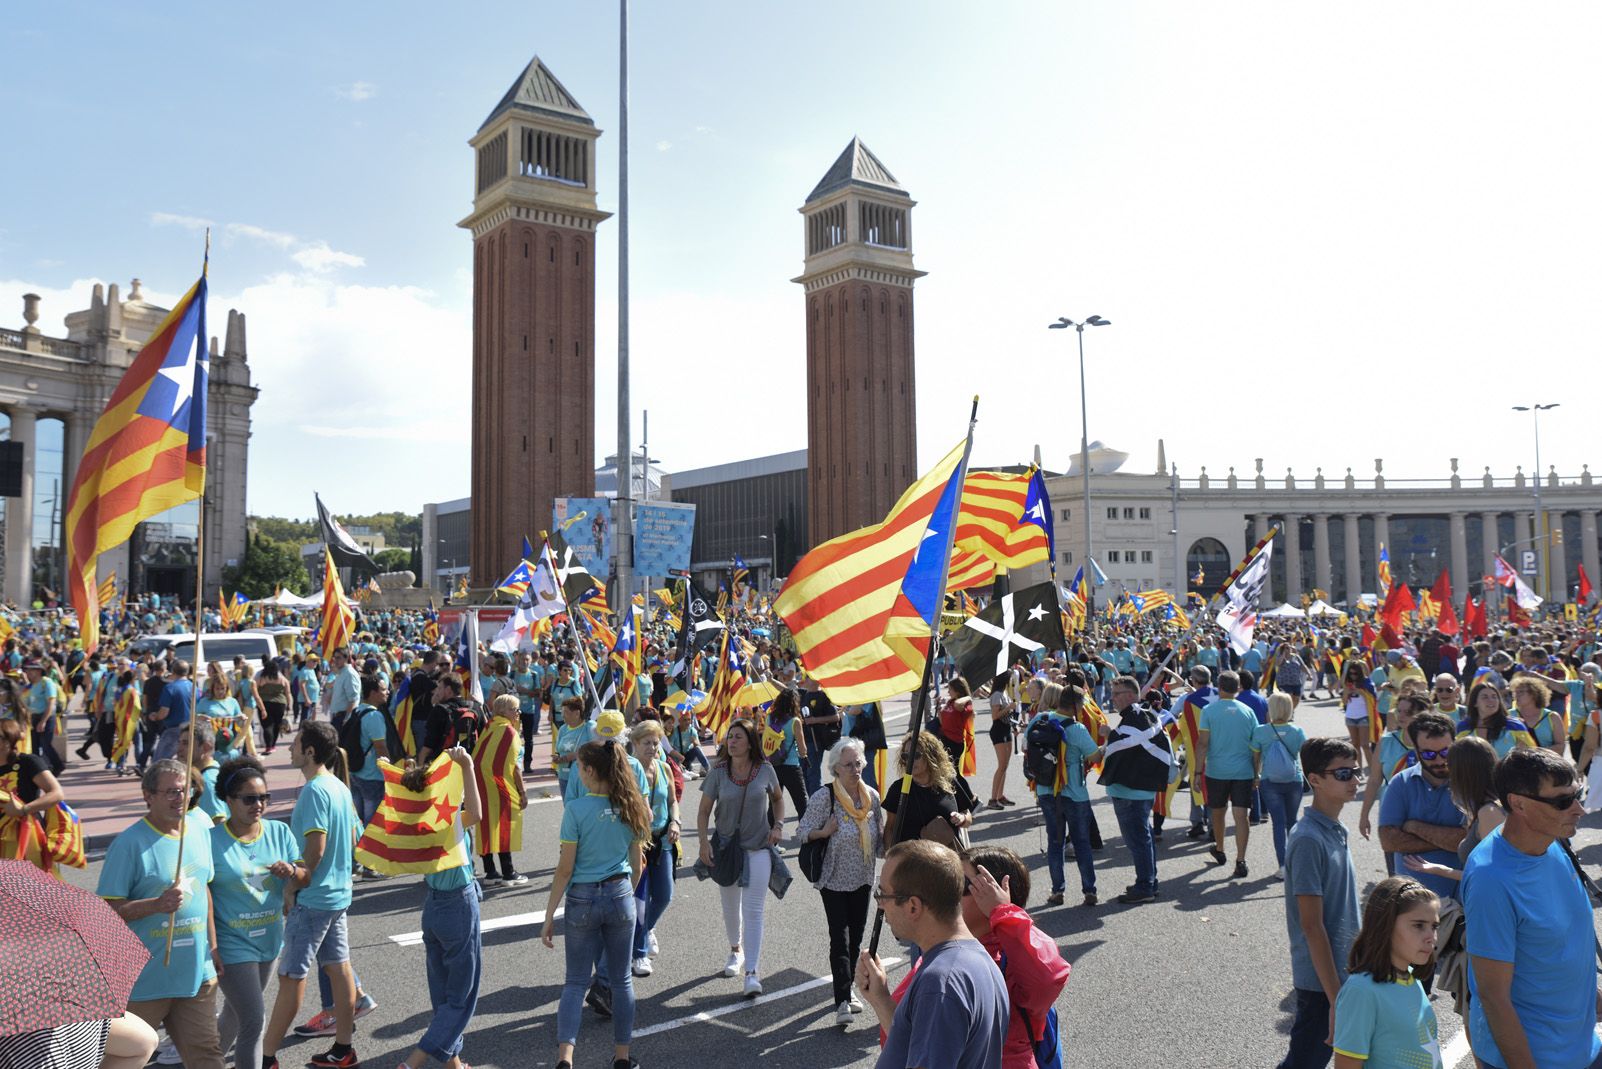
(182, 376)
(1037, 613)
(928, 533)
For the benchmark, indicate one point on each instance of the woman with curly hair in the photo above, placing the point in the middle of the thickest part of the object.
(928, 790)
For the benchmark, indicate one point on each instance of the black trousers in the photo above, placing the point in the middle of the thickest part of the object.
(272, 722)
(531, 727)
(506, 865)
(791, 780)
(847, 913)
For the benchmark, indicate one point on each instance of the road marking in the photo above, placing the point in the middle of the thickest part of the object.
(744, 1004)
(514, 920)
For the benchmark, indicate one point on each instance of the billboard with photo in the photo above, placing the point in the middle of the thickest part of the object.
(586, 523)
(662, 534)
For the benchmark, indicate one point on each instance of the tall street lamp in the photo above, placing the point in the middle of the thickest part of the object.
(1540, 532)
(1063, 323)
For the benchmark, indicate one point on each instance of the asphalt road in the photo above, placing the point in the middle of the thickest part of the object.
(1199, 979)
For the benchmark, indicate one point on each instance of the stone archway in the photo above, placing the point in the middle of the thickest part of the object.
(1212, 557)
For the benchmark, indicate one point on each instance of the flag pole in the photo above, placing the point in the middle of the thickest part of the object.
(567, 608)
(1207, 610)
(921, 699)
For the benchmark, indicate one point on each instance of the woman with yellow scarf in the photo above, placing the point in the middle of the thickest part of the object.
(846, 813)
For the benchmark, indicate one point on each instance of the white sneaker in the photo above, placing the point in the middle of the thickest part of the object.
(642, 966)
(842, 1013)
(651, 946)
(167, 1053)
(753, 986)
(853, 1001)
(517, 879)
(731, 967)
(1280, 875)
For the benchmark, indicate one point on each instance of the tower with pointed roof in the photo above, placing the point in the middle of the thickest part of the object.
(533, 224)
(862, 441)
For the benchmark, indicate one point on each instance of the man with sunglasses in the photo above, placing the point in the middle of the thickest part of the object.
(1321, 909)
(953, 1013)
(1535, 1000)
(1417, 814)
(1445, 692)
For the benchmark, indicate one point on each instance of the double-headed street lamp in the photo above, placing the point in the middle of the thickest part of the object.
(1063, 323)
(1541, 534)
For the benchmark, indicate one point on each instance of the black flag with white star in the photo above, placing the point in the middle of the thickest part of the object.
(700, 626)
(1012, 626)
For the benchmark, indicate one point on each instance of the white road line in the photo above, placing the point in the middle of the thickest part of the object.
(744, 1004)
(1456, 1054)
(513, 920)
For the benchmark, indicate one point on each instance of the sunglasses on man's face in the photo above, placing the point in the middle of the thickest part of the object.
(1562, 801)
(1345, 775)
(1432, 755)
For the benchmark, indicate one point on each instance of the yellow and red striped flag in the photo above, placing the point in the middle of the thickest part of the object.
(727, 682)
(126, 717)
(338, 619)
(146, 453)
(417, 832)
(107, 592)
(495, 760)
(857, 632)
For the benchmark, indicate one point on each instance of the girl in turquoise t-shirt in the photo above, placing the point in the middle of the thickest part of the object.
(251, 860)
(1382, 1015)
(230, 721)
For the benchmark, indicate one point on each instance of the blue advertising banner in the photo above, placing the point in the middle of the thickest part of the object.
(586, 523)
(662, 534)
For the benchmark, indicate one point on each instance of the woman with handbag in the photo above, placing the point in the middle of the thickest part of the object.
(842, 834)
(742, 801)
(1278, 744)
(929, 790)
(655, 891)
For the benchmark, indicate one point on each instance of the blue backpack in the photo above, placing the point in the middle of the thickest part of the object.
(1048, 1048)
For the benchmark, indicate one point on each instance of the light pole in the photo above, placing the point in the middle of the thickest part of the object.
(1540, 512)
(773, 557)
(623, 515)
(1064, 323)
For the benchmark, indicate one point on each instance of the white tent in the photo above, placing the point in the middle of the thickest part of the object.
(1323, 608)
(1285, 611)
(286, 600)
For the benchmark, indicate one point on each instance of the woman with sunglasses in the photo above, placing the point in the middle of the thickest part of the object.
(252, 859)
(927, 789)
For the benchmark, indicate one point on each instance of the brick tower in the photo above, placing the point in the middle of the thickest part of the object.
(862, 440)
(533, 224)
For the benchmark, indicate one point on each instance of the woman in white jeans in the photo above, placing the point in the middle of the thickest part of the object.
(742, 799)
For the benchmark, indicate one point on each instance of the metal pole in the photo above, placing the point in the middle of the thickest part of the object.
(1180, 578)
(623, 519)
(1084, 476)
(1540, 531)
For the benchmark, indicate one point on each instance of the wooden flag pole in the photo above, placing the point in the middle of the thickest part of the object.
(583, 658)
(194, 698)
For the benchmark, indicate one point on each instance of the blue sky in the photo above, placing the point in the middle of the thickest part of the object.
(1322, 236)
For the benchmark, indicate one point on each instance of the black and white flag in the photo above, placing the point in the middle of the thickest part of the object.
(1012, 626)
(699, 626)
(347, 554)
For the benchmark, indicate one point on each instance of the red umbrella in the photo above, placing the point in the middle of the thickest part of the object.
(65, 956)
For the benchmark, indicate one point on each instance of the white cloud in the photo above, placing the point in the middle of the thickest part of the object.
(319, 257)
(256, 233)
(188, 222)
(663, 146)
(357, 91)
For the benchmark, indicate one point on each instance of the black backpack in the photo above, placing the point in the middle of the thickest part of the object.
(1042, 753)
(350, 738)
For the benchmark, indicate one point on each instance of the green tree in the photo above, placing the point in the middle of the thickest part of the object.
(268, 564)
(394, 559)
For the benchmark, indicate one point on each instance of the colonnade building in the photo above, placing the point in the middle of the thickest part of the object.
(1157, 529)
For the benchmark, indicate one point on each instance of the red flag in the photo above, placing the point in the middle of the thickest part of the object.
(1585, 586)
(1515, 613)
(1367, 637)
(1398, 601)
(1446, 621)
(1474, 622)
(1388, 632)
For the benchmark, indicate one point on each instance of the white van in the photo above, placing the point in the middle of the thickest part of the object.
(255, 647)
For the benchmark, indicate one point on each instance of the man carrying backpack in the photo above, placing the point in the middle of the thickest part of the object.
(366, 737)
(452, 720)
(1056, 749)
(1136, 767)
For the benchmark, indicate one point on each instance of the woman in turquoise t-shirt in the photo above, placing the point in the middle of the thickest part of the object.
(451, 935)
(251, 859)
(574, 732)
(1278, 745)
(602, 842)
(230, 721)
(1382, 1015)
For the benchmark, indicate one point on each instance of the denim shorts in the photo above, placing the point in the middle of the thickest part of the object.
(312, 936)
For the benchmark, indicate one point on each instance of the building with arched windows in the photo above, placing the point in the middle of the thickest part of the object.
(1157, 529)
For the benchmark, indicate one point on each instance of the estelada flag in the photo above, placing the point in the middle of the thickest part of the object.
(495, 760)
(417, 832)
(126, 717)
(146, 452)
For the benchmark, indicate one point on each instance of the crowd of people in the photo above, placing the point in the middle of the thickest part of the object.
(1476, 795)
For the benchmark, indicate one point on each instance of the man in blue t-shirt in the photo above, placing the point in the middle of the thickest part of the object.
(953, 1013)
(1534, 983)
(1228, 766)
(176, 699)
(1417, 814)
(179, 994)
(325, 827)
